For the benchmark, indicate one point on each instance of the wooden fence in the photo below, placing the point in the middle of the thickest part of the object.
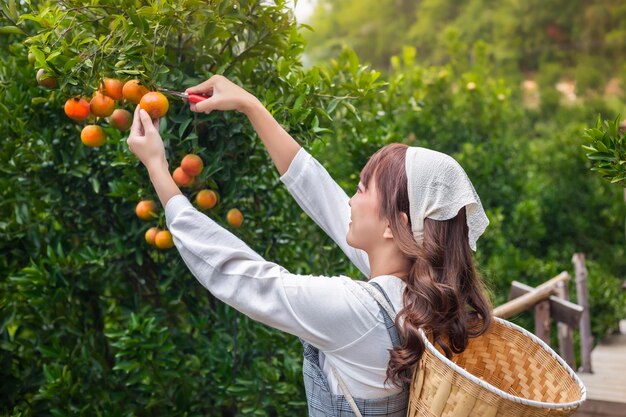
(549, 301)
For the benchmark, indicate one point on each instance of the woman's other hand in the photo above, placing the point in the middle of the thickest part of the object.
(223, 95)
(144, 139)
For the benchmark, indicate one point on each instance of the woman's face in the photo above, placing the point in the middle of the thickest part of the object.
(366, 227)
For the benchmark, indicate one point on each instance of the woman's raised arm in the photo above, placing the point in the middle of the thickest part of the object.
(225, 95)
(307, 181)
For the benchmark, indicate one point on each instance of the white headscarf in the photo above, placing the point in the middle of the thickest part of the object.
(438, 188)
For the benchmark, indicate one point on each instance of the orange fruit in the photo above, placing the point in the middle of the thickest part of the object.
(120, 119)
(46, 80)
(93, 136)
(206, 199)
(234, 217)
(192, 165)
(155, 104)
(181, 178)
(101, 105)
(163, 240)
(146, 209)
(77, 108)
(151, 235)
(113, 88)
(133, 91)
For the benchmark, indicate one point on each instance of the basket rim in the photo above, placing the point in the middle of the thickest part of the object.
(541, 404)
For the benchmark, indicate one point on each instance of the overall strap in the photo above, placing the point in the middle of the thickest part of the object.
(381, 297)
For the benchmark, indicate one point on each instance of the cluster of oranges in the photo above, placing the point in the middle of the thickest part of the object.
(191, 166)
(103, 105)
(162, 239)
(184, 176)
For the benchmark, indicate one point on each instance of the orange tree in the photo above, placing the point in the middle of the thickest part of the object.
(94, 319)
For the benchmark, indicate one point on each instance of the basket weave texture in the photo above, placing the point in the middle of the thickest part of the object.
(505, 372)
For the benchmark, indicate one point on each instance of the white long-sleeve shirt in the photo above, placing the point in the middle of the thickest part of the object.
(334, 314)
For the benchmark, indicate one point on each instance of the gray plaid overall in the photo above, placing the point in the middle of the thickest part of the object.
(323, 403)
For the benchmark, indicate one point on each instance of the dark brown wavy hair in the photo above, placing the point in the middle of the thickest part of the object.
(444, 295)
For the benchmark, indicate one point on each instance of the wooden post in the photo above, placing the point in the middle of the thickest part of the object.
(561, 311)
(542, 320)
(566, 345)
(526, 301)
(586, 339)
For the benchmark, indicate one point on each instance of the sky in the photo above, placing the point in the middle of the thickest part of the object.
(304, 8)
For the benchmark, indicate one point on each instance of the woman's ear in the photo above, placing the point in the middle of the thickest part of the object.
(387, 234)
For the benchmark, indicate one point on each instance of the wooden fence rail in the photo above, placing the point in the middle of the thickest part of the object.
(549, 301)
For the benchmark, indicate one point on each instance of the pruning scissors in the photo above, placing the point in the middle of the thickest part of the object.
(191, 97)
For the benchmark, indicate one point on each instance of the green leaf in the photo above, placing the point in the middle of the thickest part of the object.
(40, 57)
(126, 366)
(130, 72)
(298, 104)
(603, 156)
(10, 30)
(4, 111)
(95, 184)
(28, 16)
(10, 9)
(589, 148)
(332, 105)
(183, 126)
(353, 60)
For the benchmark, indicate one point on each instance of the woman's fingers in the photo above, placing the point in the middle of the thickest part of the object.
(136, 128)
(146, 121)
(205, 106)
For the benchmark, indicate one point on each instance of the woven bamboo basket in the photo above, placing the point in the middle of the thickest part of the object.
(505, 372)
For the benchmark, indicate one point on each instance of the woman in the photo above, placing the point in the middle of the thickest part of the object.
(410, 227)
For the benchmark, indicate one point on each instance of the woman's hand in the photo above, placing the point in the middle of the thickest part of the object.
(223, 95)
(144, 139)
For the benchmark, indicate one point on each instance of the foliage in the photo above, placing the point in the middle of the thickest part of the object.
(607, 150)
(584, 38)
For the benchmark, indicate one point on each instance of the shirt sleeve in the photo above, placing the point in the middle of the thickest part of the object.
(324, 201)
(321, 310)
